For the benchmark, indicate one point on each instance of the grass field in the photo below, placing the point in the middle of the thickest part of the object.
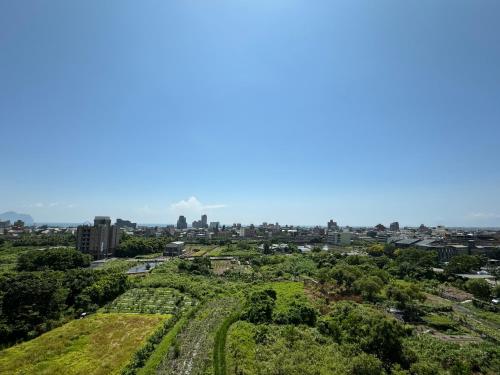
(286, 293)
(98, 344)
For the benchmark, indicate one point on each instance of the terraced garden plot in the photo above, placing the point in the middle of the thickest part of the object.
(151, 301)
(99, 344)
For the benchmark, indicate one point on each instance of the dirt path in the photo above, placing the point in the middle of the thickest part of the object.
(196, 341)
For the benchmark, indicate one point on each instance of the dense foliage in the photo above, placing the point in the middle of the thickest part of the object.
(45, 240)
(34, 302)
(133, 246)
(59, 259)
(464, 264)
(363, 326)
(199, 266)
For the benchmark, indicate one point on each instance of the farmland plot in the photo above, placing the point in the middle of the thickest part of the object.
(151, 301)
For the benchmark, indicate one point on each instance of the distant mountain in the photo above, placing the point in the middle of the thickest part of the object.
(13, 216)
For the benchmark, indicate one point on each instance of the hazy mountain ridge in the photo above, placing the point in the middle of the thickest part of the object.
(13, 216)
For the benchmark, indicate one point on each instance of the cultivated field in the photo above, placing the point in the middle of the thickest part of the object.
(150, 301)
(98, 344)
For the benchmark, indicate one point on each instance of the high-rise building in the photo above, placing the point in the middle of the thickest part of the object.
(182, 223)
(394, 227)
(204, 221)
(332, 225)
(99, 240)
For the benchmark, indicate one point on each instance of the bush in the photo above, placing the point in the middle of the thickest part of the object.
(365, 364)
(366, 327)
(479, 288)
(298, 312)
(259, 306)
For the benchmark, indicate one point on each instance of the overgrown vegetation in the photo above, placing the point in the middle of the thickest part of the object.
(265, 312)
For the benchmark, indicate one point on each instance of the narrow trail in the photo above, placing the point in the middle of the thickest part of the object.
(197, 341)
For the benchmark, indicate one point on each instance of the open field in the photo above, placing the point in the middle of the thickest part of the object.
(150, 301)
(98, 344)
(198, 250)
(221, 266)
(286, 293)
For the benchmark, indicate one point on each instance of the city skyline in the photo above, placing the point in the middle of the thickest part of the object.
(188, 218)
(263, 111)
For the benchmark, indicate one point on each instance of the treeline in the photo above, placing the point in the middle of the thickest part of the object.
(57, 259)
(134, 246)
(45, 240)
(51, 286)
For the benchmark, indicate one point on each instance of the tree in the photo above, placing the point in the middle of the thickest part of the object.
(479, 288)
(365, 327)
(414, 263)
(404, 294)
(345, 275)
(259, 306)
(134, 246)
(375, 250)
(463, 264)
(496, 291)
(267, 249)
(106, 288)
(368, 286)
(28, 301)
(299, 312)
(59, 259)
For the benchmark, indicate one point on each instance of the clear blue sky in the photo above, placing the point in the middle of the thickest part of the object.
(290, 111)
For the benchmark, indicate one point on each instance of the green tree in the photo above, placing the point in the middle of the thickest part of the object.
(59, 259)
(404, 294)
(365, 327)
(496, 291)
(414, 263)
(463, 264)
(259, 306)
(299, 312)
(28, 302)
(267, 249)
(368, 287)
(479, 288)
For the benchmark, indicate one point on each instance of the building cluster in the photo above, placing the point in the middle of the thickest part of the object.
(125, 224)
(447, 242)
(13, 231)
(200, 224)
(102, 238)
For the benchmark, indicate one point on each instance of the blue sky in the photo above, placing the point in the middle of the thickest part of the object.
(259, 110)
